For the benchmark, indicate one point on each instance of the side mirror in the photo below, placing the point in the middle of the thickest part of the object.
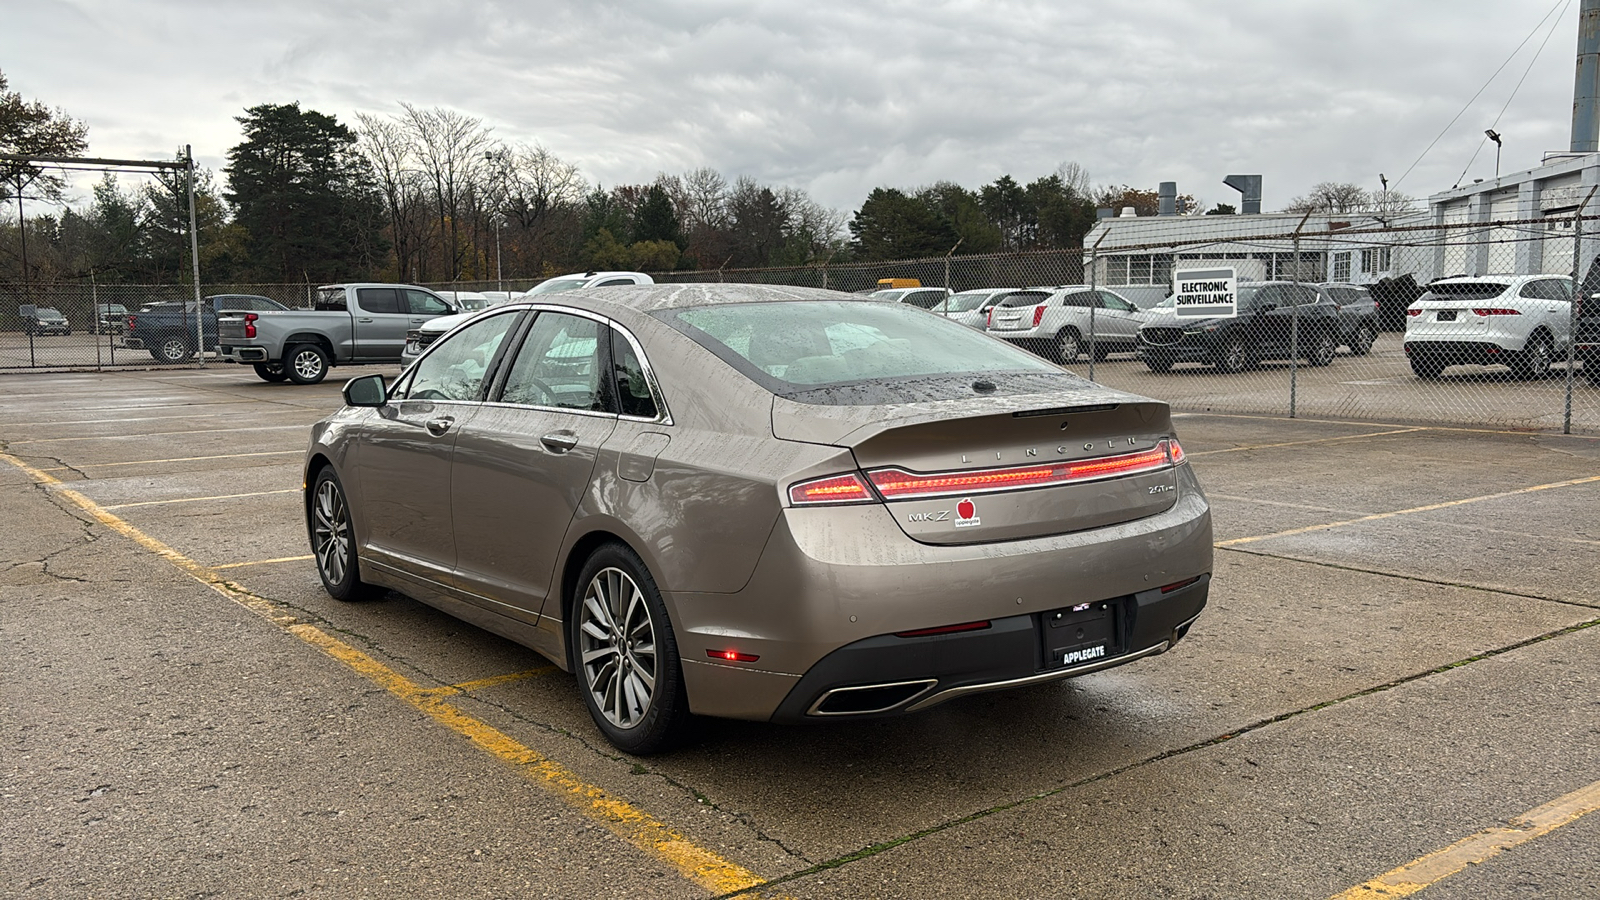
(368, 390)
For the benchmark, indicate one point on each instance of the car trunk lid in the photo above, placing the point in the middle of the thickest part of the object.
(1007, 468)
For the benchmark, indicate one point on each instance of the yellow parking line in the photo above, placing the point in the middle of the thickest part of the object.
(1327, 440)
(1406, 512)
(175, 459)
(467, 687)
(258, 562)
(1429, 870)
(642, 830)
(202, 499)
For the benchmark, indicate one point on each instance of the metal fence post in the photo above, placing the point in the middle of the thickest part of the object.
(1294, 323)
(1093, 350)
(194, 258)
(1577, 298)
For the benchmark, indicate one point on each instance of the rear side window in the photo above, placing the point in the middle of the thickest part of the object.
(632, 387)
(1084, 299)
(330, 300)
(378, 300)
(1548, 289)
(925, 299)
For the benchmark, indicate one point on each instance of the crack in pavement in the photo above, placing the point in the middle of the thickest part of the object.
(1421, 579)
(884, 846)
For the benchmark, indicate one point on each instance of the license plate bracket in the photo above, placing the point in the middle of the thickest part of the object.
(1446, 315)
(1079, 634)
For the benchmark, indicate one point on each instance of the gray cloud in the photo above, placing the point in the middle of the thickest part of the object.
(837, 97)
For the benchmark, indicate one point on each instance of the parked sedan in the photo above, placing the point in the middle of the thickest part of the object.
(1275, 320)
(1058, 323)
(768, 503)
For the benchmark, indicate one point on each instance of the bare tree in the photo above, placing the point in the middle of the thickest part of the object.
(387, 147)
(1336, 197)
(450, 148)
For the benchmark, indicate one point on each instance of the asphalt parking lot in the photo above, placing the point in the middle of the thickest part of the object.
(1398, 678)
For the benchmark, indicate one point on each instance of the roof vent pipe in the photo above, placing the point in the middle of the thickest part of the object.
(1169, 194)
(1129, 212)
(1586, 88)
(1249, 188)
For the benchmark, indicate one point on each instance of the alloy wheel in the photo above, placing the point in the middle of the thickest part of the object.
(330, 532)
(618, 647)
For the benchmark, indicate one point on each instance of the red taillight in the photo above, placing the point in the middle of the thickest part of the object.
(833, 489)
(943, 629)
(130, 322)
(250, 324)
(897, 483)
(1038, 315)
(732, 655)
(1178, 586)
(1413, 312)
(1496, 311)
(988, 318)
(1176, 451)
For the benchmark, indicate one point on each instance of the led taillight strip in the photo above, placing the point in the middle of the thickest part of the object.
(898, 483)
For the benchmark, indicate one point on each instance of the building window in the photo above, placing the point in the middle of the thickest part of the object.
(1341, 267)
(1142, 268)
(1375, 260)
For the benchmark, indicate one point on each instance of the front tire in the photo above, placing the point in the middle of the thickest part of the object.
(172, 349)
(1322, 352)
(625, 655)
(1159, 364)
(333, 540)
(1233, 357)
(273, 372)
(306, 364)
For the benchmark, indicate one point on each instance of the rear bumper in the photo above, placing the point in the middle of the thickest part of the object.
(823, 608)
(1479, 353)
(237, 354)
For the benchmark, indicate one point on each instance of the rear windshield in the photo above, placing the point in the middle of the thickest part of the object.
(1025, 298)
(1468, 289)
(965, 302)
(796, 348)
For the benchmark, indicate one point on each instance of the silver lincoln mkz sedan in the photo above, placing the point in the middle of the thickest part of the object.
(763, 503)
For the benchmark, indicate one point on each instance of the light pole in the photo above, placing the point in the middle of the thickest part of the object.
(1495, 136)
(500, 158)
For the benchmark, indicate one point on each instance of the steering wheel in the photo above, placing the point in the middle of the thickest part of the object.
(548, 394)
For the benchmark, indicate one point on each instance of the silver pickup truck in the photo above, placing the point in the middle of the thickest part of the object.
(347, 324)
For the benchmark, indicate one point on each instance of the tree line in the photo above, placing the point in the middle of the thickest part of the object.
(430, 195)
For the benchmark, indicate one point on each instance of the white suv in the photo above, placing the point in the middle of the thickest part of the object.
(1520, 321)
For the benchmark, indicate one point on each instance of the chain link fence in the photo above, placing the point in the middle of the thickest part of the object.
(1483, 357)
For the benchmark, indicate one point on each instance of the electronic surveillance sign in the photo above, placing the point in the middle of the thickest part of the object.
(1206, 293)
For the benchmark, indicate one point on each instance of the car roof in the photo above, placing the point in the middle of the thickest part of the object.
(646, 298)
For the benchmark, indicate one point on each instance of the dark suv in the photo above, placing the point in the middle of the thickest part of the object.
(1358, 315)
(1586, 340)
(1269, 315)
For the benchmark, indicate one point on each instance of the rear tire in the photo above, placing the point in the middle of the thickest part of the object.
(273, 372)
(306, 364)
(1361, 342)
(1068, 346)
(1534, 360)
(172, 348)
(625, 655)
(333, 540)
(1423, 367)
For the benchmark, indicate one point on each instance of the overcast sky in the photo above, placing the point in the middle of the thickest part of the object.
(840, 96)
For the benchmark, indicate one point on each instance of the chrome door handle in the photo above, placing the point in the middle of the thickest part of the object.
(439, 426)
(559, 441)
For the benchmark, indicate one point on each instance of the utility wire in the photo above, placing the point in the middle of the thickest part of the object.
(1483, 143)
(1559, 4)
